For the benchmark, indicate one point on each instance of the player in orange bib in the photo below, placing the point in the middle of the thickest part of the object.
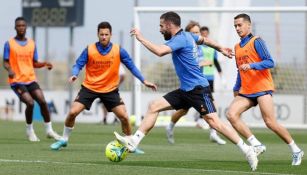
(254, 86)
(102, 60)
(20, 59)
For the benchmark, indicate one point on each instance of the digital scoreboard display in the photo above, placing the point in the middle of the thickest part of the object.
(53, 13)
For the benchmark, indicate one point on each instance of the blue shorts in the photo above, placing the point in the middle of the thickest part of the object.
(254, 98)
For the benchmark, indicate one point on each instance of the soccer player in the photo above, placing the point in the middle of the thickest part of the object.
(19, 59)
(205, 58)
(194, 89)
(122, 75)
(210, 61)
(102, 60)
(254, 85)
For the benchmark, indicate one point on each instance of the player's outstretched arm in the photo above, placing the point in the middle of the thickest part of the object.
(159, 50)
(150, 85)
(225, 51)
(46, 64)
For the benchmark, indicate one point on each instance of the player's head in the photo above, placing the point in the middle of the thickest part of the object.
(104, 32)
(242, 24)
(204, 31)
(193, 27)
(168, 22)
(20, 26)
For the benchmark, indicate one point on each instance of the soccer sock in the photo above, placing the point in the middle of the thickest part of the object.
(212, 131)
(242, 146)
(137, 137)
(29, 128)
(171, 125)
(253, 141)
(294, 148)
(48, 127)
(66, 132)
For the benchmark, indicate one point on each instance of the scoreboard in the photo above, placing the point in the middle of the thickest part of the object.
(53, 13)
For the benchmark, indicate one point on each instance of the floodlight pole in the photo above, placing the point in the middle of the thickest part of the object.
(305, 82)
(70, 62)
(47, 74)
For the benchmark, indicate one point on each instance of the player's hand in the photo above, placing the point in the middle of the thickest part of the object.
(245, 67)
(150, 85)
(11, 74)
(227, 52)
(49, 65)
(136, 32)
(72, 79)
(206, 63)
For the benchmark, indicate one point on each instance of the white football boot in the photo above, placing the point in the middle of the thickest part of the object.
(252, 159)
(32, 136)
(297, 158)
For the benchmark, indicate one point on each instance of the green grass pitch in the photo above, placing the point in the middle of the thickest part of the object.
(192, 154)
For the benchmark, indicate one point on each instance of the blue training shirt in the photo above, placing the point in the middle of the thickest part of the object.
(6, 50)
(266, 63)
(184, 56)
(124, 58)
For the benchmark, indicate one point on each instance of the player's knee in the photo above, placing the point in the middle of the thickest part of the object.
(231, 116)
(213, 122)
(153, 105)
(30, 104)
(42, 102)
(123, 118)
(73, 113)
(271, 125)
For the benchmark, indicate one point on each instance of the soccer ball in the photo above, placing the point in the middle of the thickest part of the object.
(115, 151)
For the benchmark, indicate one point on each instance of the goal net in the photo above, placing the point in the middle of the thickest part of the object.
(282, 28)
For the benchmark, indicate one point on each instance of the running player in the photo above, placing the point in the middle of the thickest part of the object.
(210, 61)
(19, 59)
(102, 60)
(255, 86)
(206, 55)
(194, 89)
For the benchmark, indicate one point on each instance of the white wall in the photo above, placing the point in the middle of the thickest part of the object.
(288, 108)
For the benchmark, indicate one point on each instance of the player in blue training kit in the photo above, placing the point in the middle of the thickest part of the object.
(194, 89)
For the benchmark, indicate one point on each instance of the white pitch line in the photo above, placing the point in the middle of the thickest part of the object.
(95, 164)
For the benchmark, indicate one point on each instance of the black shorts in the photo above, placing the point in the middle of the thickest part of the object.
(200, 98)
(109, 99)
(211, 84)
(19, 89)
(254, 99)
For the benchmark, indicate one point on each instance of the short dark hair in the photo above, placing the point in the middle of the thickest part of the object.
(191, 25)
(104, 25)
(244, 16)
(20, 18)
(172, 17)
(204, 28)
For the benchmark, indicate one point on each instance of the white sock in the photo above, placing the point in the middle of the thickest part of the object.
(242, 146)
(137, 137)
(294, 148)
(171, 125)
(253, 141)
(66, 132)
(29, 128)
(212, 131)
(48, 127)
